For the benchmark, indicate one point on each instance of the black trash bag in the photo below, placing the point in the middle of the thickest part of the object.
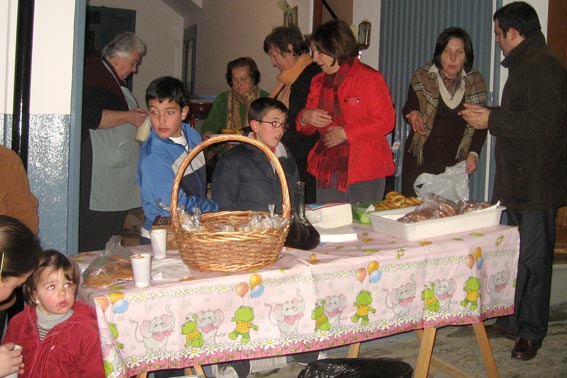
(357, 368)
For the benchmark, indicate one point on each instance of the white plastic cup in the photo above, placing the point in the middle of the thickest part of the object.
(15, 374)
(142, 268)
(159, 243)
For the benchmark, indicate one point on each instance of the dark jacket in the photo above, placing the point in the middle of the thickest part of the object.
(531, 129)
(70, 349)
(245, 180)
(300, 144)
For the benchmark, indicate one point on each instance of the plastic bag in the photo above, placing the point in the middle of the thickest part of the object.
(453, 184)
(112, 267)
(357, 368)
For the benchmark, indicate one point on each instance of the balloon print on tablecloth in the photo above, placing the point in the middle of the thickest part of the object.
(242, 289)
(475, 258)
(256, 286)
(374, 272)
(103, 301)
(119, 304)
(360, 274)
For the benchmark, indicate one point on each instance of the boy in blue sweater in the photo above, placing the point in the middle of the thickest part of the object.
(163, 152)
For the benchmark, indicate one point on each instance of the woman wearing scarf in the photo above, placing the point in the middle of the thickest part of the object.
(440, 137)
(290, 55)
(349, 105)
(230, 108)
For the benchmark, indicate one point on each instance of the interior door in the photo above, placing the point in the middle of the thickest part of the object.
(189, 56)
(103, 24)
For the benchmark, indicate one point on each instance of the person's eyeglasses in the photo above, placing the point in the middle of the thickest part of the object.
(276, 124)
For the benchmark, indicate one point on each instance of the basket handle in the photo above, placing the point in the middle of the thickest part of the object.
(229, 138)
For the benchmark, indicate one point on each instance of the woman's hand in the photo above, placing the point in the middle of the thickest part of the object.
(334, 136)
(416, 121)
(11, 360)
(316, 117)
(470, 165)
(136, 117)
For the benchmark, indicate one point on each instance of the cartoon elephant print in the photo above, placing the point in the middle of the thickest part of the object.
(155, 332)
(286, 315)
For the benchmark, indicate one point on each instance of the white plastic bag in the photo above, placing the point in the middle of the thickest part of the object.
(453, 184)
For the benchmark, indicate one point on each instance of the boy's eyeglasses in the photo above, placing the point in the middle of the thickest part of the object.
(1, 266)
(276, 124)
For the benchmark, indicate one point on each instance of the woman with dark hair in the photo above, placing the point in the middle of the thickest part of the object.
(230, 108)
(289, 53)
(19, 257)
(349, 105)
(440, 137)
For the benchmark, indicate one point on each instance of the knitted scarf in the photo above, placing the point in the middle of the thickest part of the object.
(426, 84)
(234, 120)
(330, 165)
(288, 77)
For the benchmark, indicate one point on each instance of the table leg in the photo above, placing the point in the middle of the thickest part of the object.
(427, 339)
(485, 350)
(353, 350)
(142, 375)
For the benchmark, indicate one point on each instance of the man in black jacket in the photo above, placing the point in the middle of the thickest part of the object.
(531, 164)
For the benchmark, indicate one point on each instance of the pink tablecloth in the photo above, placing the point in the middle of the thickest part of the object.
(335, 295)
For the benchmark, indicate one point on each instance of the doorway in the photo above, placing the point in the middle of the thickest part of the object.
(189, 57)
(103, 24)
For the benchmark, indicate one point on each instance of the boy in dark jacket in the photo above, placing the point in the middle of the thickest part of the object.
(244, 178)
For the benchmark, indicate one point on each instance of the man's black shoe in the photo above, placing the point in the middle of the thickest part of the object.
(495, 330)
(524, 349)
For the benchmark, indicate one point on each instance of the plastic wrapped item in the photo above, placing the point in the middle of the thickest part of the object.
(452, 184)
(112, 267)
(434, 207)
(357, 368)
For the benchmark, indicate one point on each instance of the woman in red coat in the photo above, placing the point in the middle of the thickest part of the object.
(350, 106)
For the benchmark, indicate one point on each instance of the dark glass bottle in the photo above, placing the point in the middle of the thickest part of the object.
(302, 234)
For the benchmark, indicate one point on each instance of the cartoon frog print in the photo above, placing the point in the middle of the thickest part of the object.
(321, 319)
(243, 317)
(472, 288)
(363, 308)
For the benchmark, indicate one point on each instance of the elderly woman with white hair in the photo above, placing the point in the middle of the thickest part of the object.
(110, 152)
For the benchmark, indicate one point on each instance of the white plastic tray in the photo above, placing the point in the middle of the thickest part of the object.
(386, 222)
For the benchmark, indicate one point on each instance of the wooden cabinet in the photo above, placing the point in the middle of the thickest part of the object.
(557, 40)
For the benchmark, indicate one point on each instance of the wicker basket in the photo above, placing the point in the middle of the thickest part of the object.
(229, 251)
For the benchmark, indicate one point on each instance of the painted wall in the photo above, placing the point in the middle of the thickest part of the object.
(50, 107)
(227, 30)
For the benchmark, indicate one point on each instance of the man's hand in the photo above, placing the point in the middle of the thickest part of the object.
(475, 115)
